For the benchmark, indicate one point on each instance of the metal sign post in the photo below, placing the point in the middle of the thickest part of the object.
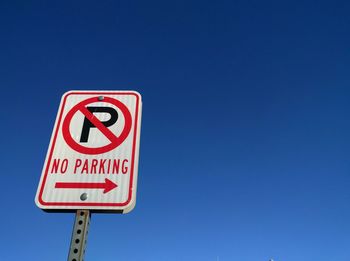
(79, 235)
(92, 160)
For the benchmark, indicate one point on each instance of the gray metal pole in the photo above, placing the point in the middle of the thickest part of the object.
(79, 235)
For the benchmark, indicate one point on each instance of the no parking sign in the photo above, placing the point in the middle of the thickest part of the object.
(92, 160)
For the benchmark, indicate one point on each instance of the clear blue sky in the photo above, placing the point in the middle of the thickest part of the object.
(245, 131)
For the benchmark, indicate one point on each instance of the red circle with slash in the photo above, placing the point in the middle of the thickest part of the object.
(115, 140)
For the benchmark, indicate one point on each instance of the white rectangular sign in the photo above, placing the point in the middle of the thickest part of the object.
(92, 160)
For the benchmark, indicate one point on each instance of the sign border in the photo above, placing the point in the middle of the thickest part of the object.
(133, 178)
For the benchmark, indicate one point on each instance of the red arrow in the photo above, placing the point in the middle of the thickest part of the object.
(107, 185)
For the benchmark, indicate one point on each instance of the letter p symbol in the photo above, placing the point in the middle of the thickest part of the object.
(87, 125)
